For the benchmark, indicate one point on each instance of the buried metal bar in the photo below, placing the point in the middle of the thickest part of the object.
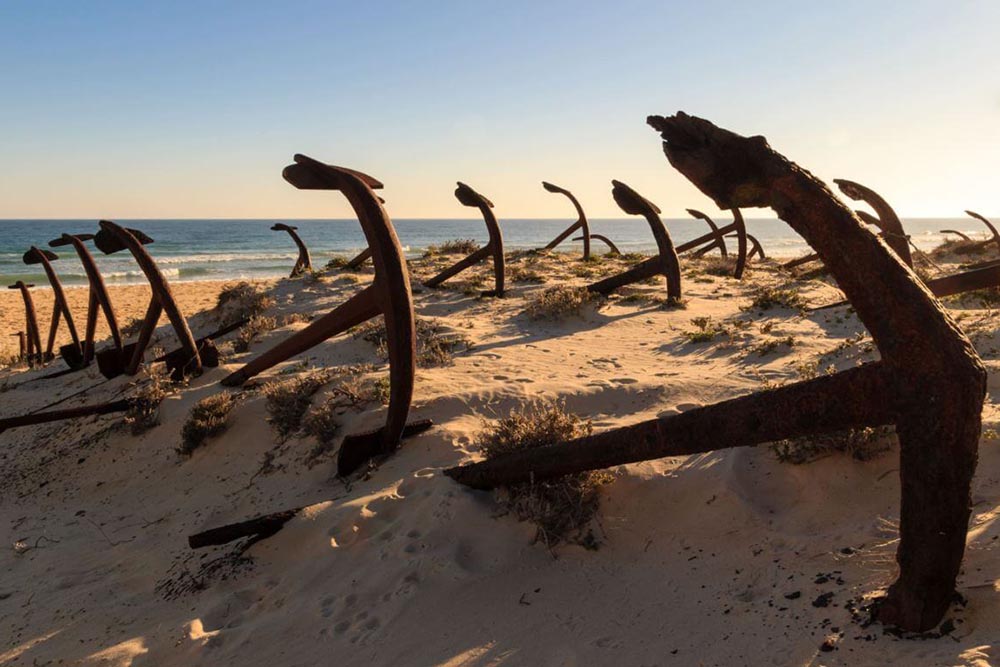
(469, 197)
(930, 386)
(33, 351)
(178, 360)
(388, 295)
(98, 299)
(581, 221)
(60, 308)
(304, 262)
(69, 413)
(612, 248)
(114, 238)
(665, 263)
(718, 241)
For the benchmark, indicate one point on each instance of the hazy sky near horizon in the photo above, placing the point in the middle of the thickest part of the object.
(191, 109)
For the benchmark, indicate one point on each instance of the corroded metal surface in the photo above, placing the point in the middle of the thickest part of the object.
(304, 261)
(494, 247)
(388, 295)
(581, 221)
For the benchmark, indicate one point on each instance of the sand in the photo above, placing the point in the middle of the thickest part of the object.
(715, 559)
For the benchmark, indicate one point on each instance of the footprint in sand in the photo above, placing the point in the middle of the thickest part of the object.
(501, 377)
(624, 380)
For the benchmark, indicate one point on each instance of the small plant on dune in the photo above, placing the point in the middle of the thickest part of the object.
(351, 392)
(563, 509)
(453, 247)
(288, 400)
(257, 325)
(719, 266)
(144, 408)
(242, 299)
(517, 274)
(769, 297)
(706, 329)
(380, 390)
(861, 444)
(960, 247)
(632, 256)
(767, 347)
(435, 345)
(322, 422)
(208, 418)
(337, 262)
(561, 301)
(131, 328)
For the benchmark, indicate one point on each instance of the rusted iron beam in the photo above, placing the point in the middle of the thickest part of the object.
(665, 262)
(887, 220)
(581, 221)
(931, 386)
(359, 259)
(612, 248)
(718, 240)
(33, 352)
(469, 197)
(113, 238)
(98, 299)
(69, 413)
(995, 236)
(304, 262)
(60, 308)
(388, 295)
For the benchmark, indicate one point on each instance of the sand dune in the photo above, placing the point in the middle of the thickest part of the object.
(729, 558)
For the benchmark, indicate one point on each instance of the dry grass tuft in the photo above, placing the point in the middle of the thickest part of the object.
(435, 345)
(769, 297)
(208, 418)
(563, 509)
(257, 325)
(242, 299)
(454, 247)
(288, 401)
(561, 301)
(144, 412)
(861, 444)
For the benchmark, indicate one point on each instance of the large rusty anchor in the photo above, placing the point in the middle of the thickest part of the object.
(494, 247)
(33, 349)
(719, 240)
(304, 262)
(930, 383)
(60, 308)
(665, 262)
(113, 238)
(98, 299)
(581, 222)
(388, 295)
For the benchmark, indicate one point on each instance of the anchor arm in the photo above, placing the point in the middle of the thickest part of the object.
(581, 221)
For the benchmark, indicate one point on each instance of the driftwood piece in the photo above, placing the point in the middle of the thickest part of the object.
(113, 238)
(60, 308)
(581, 221)
(388, 295)
(33, 350)
(930, 383)
(494, 247)
(98, 299)
(665, 262)
(304, 261)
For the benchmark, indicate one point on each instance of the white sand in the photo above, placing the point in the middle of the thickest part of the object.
(408, 568)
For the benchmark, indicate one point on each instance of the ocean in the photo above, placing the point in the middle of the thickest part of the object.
(190, 250)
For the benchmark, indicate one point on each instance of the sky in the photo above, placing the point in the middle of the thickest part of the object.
(191, 109)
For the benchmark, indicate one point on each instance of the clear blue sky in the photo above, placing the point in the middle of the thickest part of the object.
(191, 109)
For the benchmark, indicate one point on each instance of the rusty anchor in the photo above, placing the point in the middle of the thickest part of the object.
(33, 349)
(98, 298)
(931, 386)
(388, 295)
(60, 308)
(581, 222)
(22, 344)
(113, 238)
(717, 242)
(665, 262)
(304, 262)
(995, 236)
(612, 248)
(469, 197)
(358, 260)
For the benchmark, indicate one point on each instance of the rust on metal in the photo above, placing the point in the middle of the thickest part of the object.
(113, 238)
(887, 220)
(60, 308)
(469, 197)
(388, 295)
(359, 259)
(304, 262)
(98, 299)
(718, 240)
(581, 221)
(930, 387)
(665, 262)
(612, 248)
(21, 345)
(33, 350)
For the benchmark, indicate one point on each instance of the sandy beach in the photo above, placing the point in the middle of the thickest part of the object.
(701, 560)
